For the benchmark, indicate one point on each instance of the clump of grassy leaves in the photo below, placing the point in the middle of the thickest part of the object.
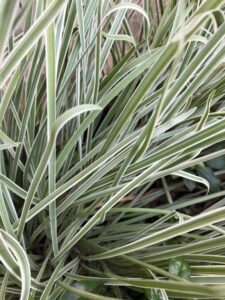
(108, 138)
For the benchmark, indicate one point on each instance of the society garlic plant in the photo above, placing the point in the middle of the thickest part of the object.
(103, 128)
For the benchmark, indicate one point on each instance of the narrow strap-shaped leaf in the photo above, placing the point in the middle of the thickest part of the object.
(51, 119)
(7, 16)
(193, 178)
(120, 37)
(195, 223)
(60, 122)
(29, 39)
(22, 260)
